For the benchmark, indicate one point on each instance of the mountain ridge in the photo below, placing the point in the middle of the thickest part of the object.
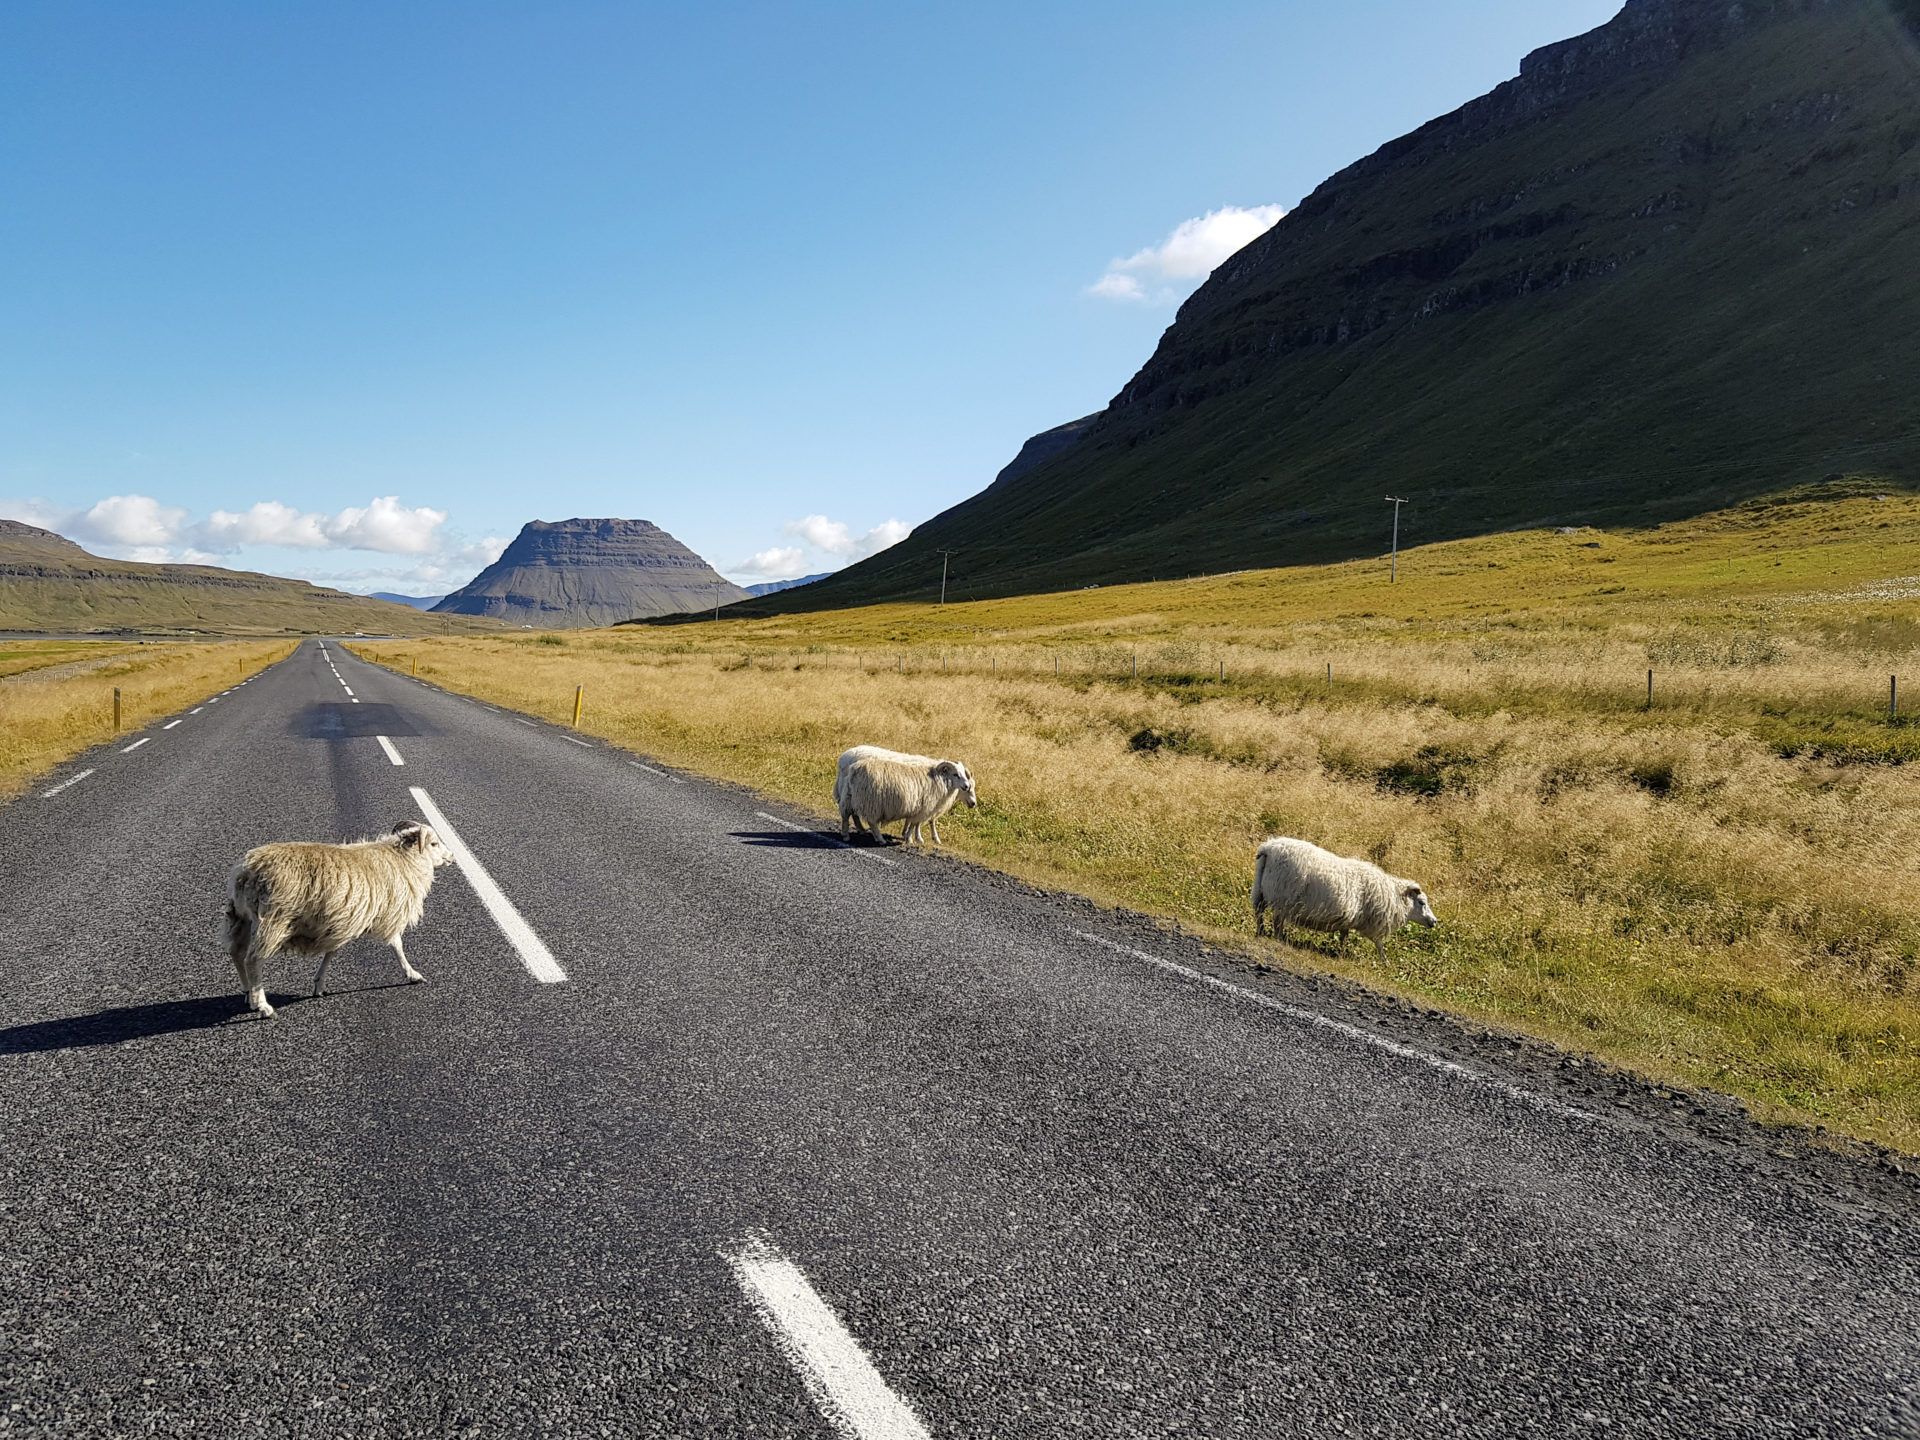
(1665, 268)
(584, 571)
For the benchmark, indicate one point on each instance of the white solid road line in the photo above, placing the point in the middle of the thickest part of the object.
(1340, 1027)
(830, 839)
(136, 744)
(392, 754)
(66, 784)
(170, 724)
(529, 946)
(836, 1371)
(661, 773)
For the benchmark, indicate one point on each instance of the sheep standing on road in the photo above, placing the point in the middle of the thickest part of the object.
(876, 787)
(310, 899)
(1318, 890)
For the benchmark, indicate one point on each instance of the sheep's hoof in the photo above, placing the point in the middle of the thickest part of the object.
(264, 1010)
(318, 991)
(414, 977)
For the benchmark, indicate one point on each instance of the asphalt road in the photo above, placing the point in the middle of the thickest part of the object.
(809, 1141)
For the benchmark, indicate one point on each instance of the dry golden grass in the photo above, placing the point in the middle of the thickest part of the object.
(51, 713)
(1716, 889)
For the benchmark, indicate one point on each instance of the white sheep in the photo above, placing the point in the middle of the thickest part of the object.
(875, 787)
(310, 899)
(1318, 890)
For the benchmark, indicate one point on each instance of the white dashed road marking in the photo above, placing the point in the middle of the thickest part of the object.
(392, 754)
(830, 839)
(523, 720)
(196, 710)
(530, 947)
(1340, 1027)
(66, 784)
(170, 724)
(136, 744)
(588, 744)
(829, 1361)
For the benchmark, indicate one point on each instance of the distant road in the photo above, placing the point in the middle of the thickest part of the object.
(706, 1125)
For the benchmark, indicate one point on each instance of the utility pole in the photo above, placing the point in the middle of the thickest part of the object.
(716, 598)
(1394, 574)
(944, 556)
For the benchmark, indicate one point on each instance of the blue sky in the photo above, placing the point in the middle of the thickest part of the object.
(351, 291)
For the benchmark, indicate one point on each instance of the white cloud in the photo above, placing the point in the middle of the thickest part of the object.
(835, 538)
(127, 520)
(383, 524)
(387, 526)
(34, 512)
(266, 523)
(1187, 256)
(825, 544)
(777, 562)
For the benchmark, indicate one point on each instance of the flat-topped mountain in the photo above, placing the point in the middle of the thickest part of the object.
(49, 583)
(1674, 264)
(566, 573)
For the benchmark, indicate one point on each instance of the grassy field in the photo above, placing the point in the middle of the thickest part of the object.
(17, 657)
(1714, 888)
(49, 711)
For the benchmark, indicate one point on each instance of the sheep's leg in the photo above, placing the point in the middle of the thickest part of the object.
(935, 823)
(320, 975)
(1259, 916)
(256, 992)
(846, 820)
(414, 977)
(1380, 951)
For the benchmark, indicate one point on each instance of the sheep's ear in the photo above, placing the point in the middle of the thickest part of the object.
(1412, 892)
(412, 832)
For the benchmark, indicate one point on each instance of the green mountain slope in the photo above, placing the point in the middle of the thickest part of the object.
(49, 583)
(1674, 264)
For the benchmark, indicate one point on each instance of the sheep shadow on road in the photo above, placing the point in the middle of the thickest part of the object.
(144, 1022)
(791, 839)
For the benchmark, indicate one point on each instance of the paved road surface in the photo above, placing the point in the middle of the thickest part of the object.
(805, 1142)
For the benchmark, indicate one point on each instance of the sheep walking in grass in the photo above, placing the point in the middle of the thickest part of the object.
(1317, 890)
(876, 787)
(310, 899)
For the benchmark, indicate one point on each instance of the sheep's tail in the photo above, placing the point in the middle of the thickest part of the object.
(1259, 879)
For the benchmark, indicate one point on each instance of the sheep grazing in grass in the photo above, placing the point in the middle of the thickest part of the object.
(876, 787)
(1317, 890)
(310, 899)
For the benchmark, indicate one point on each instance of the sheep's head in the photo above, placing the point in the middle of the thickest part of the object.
(1419, 912)
(955, 775)
(415, 837)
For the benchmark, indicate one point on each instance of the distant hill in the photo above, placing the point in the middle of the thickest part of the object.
(418, 602)
(1673, 265)
(49, 583)
(567, 573)
(772, 587)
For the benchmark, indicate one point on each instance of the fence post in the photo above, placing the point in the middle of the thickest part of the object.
(116, 709)
(1223, 672)
(1649, 689)
(579, 697)
(1056, 667)
(1893, 697)
(1329, 672)
(416, 664)
(1136, 662)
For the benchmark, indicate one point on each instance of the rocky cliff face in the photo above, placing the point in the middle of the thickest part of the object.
(566, 573)
(1668, 267)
